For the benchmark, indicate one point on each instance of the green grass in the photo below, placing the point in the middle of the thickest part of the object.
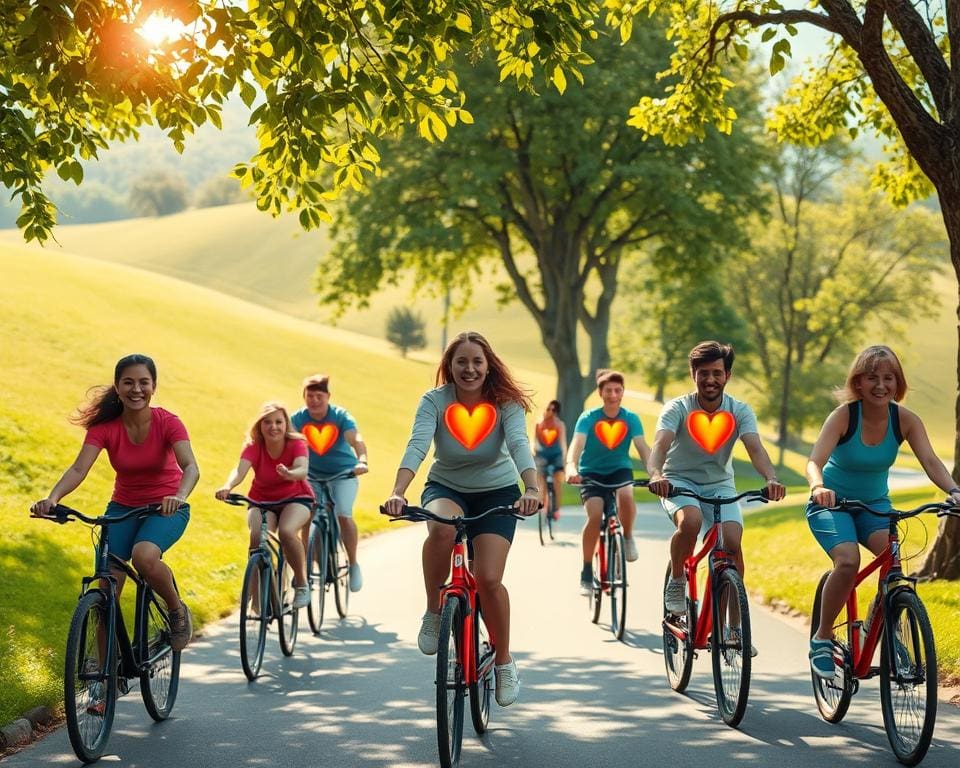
(784, 565)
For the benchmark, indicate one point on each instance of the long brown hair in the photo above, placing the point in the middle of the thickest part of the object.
(104, 402)
(867, 362)
(499, 386)
(254, 435)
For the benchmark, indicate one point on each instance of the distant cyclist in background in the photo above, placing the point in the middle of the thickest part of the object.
(335, 447)
(600, 451)
(549, 448)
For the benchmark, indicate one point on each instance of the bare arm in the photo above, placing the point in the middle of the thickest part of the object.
(761, 462)
(297, 471)
(394, 505)
(830, 433)
(69, 480)
(643, 449)
(658, 455)
(234, 478)
(353, 437)
(916, 435)
(187, 462)
(573, 456)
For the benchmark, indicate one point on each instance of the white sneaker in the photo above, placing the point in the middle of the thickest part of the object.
(428, 639)
(356, 578)
(301, 597)
(508, 683)
(675, 596)
(630, 549)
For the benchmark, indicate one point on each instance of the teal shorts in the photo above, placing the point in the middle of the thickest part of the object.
(159, 530)
(831, 527)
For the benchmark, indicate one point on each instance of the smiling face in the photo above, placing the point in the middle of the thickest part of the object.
(710, 378)
(273, 426)
(135, 386)
(611, 393)
(317, 402)
(879, 386)
(469, 368)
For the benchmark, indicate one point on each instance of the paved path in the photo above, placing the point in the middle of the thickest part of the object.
(360, 695)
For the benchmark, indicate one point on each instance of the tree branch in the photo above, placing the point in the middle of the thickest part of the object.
(923, 48)
(952, 117)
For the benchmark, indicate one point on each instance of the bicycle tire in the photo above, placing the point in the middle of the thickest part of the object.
(541, 523)
(832, 696)
(908, 691)
(317, 577)
(254, 615)
(340, 571)
(450, 685)
(481, 692)
(83, 687)
(678, 651)
(551, 507)
(288, 617)
(596, 597)
(160, 670)
(617, 573)
(732, 660)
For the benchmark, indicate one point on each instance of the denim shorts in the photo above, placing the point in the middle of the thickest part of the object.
(157, 529)
(832, 527)
(473, 504)
(343, 492)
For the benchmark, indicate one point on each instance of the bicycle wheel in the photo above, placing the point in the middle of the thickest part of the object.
(481, 691)
(289, 617)
(340, 571)
(617, 572)
(593, 600)
(160, 669)
(678, 651)
(542, 521)
(254, 615)
(552, 508)
(908, 678)
(833, 696)
(317, 576)
(731, 646)
(89, 683)
(450, 685)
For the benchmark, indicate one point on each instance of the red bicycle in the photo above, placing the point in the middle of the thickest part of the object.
(898, 623)
(465, 653)
(721, 624)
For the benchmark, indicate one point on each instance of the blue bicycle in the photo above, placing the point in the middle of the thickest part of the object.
(327, 561)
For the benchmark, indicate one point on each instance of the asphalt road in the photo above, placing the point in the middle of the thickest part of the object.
(361, 694)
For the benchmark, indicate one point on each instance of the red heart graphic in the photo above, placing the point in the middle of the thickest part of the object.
(321, 438)
(710, 430)
(548, 436)
(470, 428)
(611, 433)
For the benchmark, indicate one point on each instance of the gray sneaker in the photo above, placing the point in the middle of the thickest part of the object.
(630, 549)
(428, 639)
(508, 683)
(181, 627)
(356, 578)
(586, 582)
(675, 596)
(301, 597)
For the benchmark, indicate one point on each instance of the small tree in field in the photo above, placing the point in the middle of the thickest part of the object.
(406, 330)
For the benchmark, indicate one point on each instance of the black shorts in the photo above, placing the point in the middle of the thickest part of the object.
(477, 503)
(614, 478)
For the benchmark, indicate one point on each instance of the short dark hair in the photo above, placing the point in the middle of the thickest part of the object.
(555, 404)
(710, 351)
(319, 382)
(607, 376)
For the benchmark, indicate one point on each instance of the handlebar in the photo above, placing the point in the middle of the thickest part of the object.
(942, 508)
(760, 495)
(63, 514)
(342, 476)
(419, 514)
(613, 487)
(238, 499)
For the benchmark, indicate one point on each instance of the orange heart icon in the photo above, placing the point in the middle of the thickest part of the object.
(470, 427)
(321, 438)
(548, 436)
(710, 430)
(611, 433)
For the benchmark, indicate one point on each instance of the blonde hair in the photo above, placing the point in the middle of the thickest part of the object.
(867, 362)
(254, 435)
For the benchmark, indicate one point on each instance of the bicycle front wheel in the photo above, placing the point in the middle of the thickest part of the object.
(678, 643)
(340, 571)
(254, 615)
(542, 521)
(481, 691)
(89, 680)
(833, 695)
(552, 509)
(731, 646)
(908, 678)
(160, 668)
(317, 576)
(617, 573)
(450, 684)
(289, 617)
(593, 600)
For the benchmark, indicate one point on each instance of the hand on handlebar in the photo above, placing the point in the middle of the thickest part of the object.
(529, 503)
(660, 486)
(42, 508)
(823, 497)
(170, 505)
(222, 493)
(775, 490)
(394, 505)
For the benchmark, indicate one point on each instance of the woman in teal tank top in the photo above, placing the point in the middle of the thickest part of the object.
(851, 459)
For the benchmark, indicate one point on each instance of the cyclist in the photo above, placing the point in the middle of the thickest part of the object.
(692, 449)
(600, 451)
(335, 447)
(550, 446)
(278, 456)
(150, 451)
(475, 419)
(851, 459)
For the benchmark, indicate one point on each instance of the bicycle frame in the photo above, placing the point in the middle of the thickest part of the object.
(463, 586)
(609, 526)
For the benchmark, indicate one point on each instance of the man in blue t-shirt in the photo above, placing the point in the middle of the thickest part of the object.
(600, 451)
(335, 447)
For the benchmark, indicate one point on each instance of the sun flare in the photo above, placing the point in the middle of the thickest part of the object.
(159, 29)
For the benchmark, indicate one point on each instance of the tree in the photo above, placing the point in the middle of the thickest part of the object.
(886, 71)
(327, 78)
(406, 329)
(159, 193)
(556, 190)
(219, 190)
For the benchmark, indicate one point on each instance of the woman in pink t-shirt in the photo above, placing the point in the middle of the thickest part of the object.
(150, 451)
(278, 456)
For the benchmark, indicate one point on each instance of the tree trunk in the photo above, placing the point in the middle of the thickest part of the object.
(943, 558)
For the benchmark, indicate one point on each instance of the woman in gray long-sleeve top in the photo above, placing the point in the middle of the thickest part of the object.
(475, 420)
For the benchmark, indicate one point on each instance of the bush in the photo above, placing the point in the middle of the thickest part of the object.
(159, 193)
(406, 330)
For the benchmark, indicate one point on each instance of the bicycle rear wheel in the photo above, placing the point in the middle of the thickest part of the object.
(289, 617)
(89, 682)
(617, 574)
(254, 615)
(678, 643)
(833, 696)
(593, 600)
(731, 649)
(340, 572)
(481, 692)
(908, 678)
(317, 577)
(450, 684)
(160, 670)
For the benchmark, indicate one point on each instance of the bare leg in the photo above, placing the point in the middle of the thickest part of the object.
(688, 521)
(436, 551)
(292, 520)
(489, 560)
(557, 489)
(591, 529)
(146, 559)
(836, 589)
(348, 532)
(626, 509)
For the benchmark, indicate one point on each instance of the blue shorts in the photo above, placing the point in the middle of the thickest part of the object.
(343, 493)
(832, 527)
(157, 529)
(474, 504)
